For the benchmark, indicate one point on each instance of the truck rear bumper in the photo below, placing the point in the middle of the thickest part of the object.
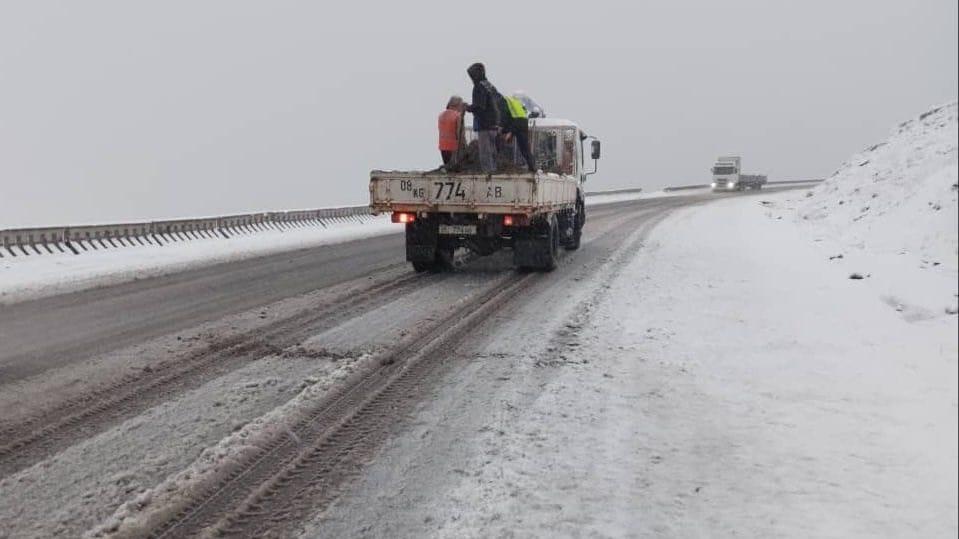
(478, 210)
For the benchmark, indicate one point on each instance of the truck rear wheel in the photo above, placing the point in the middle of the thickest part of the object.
(444, 258)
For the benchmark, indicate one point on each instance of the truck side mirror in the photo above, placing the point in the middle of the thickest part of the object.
(595, 149)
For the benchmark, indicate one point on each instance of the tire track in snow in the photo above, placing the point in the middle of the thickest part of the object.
(293, 475)
(39, 436)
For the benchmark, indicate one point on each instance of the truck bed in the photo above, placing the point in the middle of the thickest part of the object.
(526, 193)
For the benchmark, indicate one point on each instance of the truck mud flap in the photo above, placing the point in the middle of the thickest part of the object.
(536, 247)
(531, 248)
(530, 252)
(421, 241)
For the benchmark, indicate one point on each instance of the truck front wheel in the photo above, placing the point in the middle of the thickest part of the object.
(578, 219)
(549, 263)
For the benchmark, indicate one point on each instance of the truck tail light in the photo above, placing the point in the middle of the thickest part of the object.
(515, 220)
(403, 217)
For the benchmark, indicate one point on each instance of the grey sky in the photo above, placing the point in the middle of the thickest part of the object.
(136, 110)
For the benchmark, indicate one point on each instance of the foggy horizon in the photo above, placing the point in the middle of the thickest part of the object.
(114, 112)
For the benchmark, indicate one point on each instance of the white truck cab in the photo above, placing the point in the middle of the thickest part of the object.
(726, 172)
(728, 175)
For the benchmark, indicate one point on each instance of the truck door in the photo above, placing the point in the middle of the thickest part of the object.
(581, 165)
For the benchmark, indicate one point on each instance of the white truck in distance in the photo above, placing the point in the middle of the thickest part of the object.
(531, 213)
(728, 176)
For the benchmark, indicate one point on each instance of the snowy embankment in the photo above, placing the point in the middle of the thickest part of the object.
(890, 214)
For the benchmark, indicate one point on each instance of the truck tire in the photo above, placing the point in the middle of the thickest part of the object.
(552, 251)
(577, 228)
(444, 259)
(420, 267)
(442, 262)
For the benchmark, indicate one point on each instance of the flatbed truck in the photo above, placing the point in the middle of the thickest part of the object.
(533, 214)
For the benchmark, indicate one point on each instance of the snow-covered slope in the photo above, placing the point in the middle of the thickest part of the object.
(893, 209)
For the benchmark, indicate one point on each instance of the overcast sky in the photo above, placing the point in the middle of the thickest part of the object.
(128, 110)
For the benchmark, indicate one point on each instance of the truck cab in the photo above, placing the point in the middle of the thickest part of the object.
(726, 172)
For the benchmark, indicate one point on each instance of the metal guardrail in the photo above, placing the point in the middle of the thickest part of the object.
(798, 181)
(706, 185)
(615, 191)
(80, 239)
(686, 187)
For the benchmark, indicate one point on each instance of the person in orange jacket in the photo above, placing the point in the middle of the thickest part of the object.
(450, 125)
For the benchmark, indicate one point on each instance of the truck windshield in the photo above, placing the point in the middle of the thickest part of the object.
(724, 170)
(544, 149)
(554, 149)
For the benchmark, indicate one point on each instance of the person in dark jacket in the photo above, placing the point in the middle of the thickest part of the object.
(486, 109)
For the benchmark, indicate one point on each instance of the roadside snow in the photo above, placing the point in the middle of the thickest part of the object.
(891, 214)
(24, 278)
(763, 393)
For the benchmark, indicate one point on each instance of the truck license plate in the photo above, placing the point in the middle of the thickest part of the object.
(458, 230)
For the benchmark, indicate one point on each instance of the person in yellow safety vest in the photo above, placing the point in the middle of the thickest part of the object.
(517, 127)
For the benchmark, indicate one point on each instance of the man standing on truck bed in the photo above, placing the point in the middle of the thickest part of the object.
(486, 115)
(517, 127)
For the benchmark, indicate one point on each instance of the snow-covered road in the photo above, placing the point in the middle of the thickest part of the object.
(721, 378)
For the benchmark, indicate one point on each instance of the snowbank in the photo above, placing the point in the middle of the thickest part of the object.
(891, 212)
(740, 384)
